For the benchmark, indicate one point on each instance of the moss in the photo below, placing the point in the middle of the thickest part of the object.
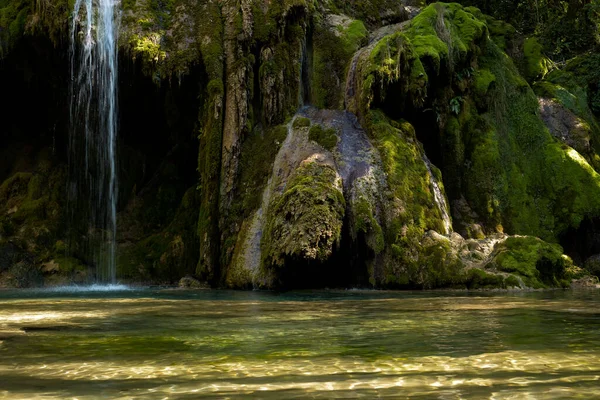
(25, 275)
(31, 208)
(498, 153)
(536, 64)
(366, 224)
(148, 48)
(326, 137)
(411, 212)
(512, 282)
(334, 47)
(502, 33)
(407, 175)
(479, 279)
(428, 263)
(256, 163)
(482, 81)
(539, 263)
(70, 265)
(373, 12)
(238, 275)
(305, 222)
(516, 176)
(258, 154)
(301, 122)
(14, 187)
(210, 138)
(22, 17)
(440, 37)
(575, 87)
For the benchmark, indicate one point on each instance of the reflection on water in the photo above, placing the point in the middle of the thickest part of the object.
(174, 344)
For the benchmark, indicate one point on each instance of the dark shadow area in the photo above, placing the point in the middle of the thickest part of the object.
(398, 104)
(158, 128)
(583, 242)
(34, 80)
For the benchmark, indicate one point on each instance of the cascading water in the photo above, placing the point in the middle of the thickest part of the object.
(92, 192)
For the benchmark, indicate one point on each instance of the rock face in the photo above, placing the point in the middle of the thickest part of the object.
(566, 127)
(230, 178)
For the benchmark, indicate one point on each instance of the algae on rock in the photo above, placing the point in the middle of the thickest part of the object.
(305, 222)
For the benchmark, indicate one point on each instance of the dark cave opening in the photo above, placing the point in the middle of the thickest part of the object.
(583, 242)
(156, 122)
(347, 267)
(158, 129)
(34, 78)
(397, 104)
(157, 148)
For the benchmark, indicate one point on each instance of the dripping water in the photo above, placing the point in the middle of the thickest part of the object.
(92, 191)
(439, 197)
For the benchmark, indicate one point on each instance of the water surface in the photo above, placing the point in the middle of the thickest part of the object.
(157, 344)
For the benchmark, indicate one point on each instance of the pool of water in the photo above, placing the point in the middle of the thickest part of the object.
(173, 344)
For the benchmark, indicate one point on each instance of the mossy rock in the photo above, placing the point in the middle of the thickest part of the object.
(536, 64)
(256, 163)
(540, 264)
(336, 39)
(301, 122)
(325, 137)
(305, 222)
(21, 17)
(373, 12)
(479, 279)
(499, 155)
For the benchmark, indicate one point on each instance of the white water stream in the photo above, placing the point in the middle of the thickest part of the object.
(93, 130)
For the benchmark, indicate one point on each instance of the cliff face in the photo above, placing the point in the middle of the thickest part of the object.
(311, 143)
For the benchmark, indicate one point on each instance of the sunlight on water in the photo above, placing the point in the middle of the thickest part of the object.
(186, 344)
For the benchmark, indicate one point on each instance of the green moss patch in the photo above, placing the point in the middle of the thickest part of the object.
(536, 64)
(326, 137)
(305, 222)
(334, 46)
(540, 264)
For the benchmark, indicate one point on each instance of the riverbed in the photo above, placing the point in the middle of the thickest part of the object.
(123, 343)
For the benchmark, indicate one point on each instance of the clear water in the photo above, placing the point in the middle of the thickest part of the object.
(171, 344)
(93, 184)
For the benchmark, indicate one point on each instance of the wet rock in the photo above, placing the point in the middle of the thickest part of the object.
(466, 221)
(587, 282)
(25, 274)
(305, 222)
(50, 267)
(188, 282)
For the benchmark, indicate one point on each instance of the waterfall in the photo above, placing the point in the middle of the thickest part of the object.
(92, 191)
(439, 197)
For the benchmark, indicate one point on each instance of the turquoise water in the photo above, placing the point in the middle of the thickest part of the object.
(173, 344)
